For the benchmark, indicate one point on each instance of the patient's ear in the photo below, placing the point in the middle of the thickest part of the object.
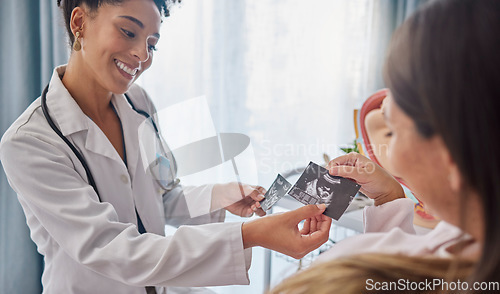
(454, 175)
(455, 179)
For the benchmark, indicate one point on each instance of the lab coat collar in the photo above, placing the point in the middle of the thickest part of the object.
(68, 115)
(70, 119)
(63, 109)
(131, 121)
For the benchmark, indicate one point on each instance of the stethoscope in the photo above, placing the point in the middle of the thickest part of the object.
(162, 168)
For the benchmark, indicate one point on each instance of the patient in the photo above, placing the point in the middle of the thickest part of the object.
(442, 110)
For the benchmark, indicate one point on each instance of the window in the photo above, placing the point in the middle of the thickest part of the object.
(286, 73)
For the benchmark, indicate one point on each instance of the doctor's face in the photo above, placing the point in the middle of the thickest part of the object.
(118, 42)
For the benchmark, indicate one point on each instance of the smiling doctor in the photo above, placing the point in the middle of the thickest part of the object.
(95, 213)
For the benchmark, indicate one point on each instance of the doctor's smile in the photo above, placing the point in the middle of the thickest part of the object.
(126, 69)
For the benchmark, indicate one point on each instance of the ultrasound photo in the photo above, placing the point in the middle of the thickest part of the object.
(277, 190)
(316, 186)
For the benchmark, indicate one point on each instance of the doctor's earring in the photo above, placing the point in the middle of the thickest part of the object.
(77, 45)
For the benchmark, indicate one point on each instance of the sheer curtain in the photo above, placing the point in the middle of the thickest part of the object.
(32, 43)
(286, 73)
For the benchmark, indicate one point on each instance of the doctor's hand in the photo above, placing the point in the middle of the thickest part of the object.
(375, 181)
(237, 198)
(280, 232)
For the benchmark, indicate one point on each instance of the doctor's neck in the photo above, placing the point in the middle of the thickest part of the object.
(86, 90)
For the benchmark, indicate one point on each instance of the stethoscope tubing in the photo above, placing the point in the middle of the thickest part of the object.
(73, 148)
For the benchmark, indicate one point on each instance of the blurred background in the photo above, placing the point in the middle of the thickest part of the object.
(286, 73)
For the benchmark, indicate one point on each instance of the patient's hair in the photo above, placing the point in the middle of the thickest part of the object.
(443, 70)
(67, 7)
(358, 274)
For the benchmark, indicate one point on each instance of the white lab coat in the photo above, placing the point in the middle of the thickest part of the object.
(95, 247)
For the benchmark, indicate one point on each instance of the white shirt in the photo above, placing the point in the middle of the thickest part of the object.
(389, 229)
(95, 247)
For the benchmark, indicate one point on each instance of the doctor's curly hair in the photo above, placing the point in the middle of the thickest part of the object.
(67, 7)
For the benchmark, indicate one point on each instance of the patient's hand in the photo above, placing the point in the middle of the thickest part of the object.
(375, 182)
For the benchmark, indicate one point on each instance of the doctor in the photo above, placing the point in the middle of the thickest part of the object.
(96, 214)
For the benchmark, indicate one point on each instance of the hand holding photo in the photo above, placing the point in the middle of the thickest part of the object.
(316, 186)
(277, 190)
